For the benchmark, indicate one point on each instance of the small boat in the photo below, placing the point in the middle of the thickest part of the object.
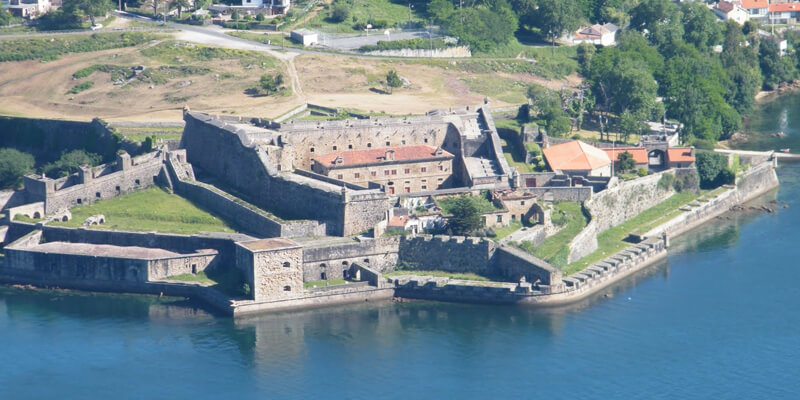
(786, 150)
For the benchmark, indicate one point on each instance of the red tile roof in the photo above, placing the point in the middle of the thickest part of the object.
(575, 156)
(639, 153)
(377, 156)
(784, 7)
(399, 221)
(680, 154)
(748, 4)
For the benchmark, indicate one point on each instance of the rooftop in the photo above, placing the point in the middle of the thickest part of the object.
(680, 154)
(269, 244)
(575, 156)
(639, 153)
(382, 155)
(107, 250)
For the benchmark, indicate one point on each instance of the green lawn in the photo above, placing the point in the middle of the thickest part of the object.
(147, 210)
(507, 230)
(330, 282)
(439, 274)
(611, 241)
(555, 249)
(139, 133)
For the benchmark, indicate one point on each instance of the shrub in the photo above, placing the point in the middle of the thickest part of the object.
(14, 165)
(340, 13)
(642, 171)
(81, 87)
(666, 181)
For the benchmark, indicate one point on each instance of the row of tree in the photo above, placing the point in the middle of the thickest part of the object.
(14, 165)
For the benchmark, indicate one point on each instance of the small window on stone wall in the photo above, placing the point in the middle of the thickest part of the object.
(334, 148)
(426, 140)
(79, 201)
(97, 194)
(117, 188)
(366, 260)
(322, 276)
(369, 144)
(388, 143)
(349, 146)
(137, 182)
(287, 264)
(287, 288)
(311, 150)
(345, 263)
(194, 269)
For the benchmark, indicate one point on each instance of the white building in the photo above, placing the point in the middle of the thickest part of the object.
(305, 37)
(605, 35)
(731, 10)
(280, 6)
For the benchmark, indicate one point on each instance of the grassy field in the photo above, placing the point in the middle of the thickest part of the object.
(50, 48)
(507, 230)
(393, 12)
(152, 209)
(329, 282)
(228, 281)
(275, 39)
(611, 241)
(139, 133)
(555, 249)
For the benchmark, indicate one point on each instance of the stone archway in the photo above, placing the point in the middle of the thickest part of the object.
(656, 158)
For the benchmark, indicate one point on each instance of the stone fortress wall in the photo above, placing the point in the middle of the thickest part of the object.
(334, 260)
(247, 168)
(90, 185)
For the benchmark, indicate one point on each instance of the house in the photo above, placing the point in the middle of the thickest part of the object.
(577, 158)
(402, 169)
(639, 155)
(305, 37)
(604, 35)
(29, 9)
(756, 9)
(784, 13)
(274, 6)
(680, 157)
(731, 10)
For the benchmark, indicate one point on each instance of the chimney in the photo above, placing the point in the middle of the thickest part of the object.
(389, 156)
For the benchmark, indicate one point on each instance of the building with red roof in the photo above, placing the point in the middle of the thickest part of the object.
(401, 169)
(639, 155)
(577, 158)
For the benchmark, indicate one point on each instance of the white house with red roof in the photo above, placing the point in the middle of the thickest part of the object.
(731, 10)
(604, 35)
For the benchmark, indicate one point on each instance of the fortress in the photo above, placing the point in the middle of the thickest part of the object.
(314, 201)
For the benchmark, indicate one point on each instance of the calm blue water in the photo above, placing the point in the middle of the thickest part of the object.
(720, 318)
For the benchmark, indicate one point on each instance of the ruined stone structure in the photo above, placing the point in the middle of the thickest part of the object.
(93, 184)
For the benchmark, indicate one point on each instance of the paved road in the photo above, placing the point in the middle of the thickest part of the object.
(355, 41)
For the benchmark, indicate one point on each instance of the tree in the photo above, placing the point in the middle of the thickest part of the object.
(88, 8)
(340, 12)
(70, 162)
(623, 82)
(483, 27)
(182, 5)
(5, 17)
(585, 53)
(466, 217)
(629, 124)
(393, 80)
(713, 170)
(626, 162)
(774, 68)
(13, 166)
(662, 21)
(557, 17)
(267, 85)
(441, 10)
(700, 26)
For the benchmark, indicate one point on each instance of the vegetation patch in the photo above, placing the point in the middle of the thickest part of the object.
(81, 87)
(611, 240)
(481, 203)
(227, 280)
(412, 44)
(50, 48)
(440, 274)
(555, 249)
(147, 210)
(500, 233)
(329, 282)
(183, 53)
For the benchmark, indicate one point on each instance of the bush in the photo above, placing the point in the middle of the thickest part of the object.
(14, 165)
(340, 13)
(49, 49)
(81, 87)
(666, 181)
(70, 162)
(713, 170)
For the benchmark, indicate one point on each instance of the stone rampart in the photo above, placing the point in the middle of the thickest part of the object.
(380, 254)
(614, 206)
(454, 254)
(514, 264)
(556, 193)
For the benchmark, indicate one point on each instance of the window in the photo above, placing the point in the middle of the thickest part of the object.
(118, 188)
(407, 171)
(391, 190)
(386, 172)
(369, 144)
(388, 143)
(137, 182)
(287, 288)
(79, 201)
(426, 140)
(366, 260)
(322, 276)
(407, 190)
(287, 264)
(373, 173)
(345, 263)
(513, 217)
(522, 203)
(424, 187)
(339, 176)
(349, 146)
(357, 175)
(334, 148)
(440, 179)
(194, 269)
(97, 194)
(423, 169)
(441, 168)
(403, 141)
(394, 172)
(311, 150)
(499, 218)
